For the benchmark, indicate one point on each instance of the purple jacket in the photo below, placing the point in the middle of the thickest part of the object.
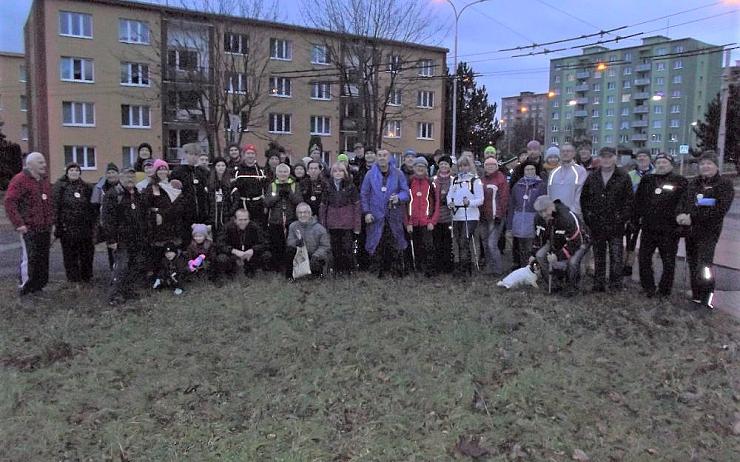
(521, 213)
(340, 208)
(374, 200)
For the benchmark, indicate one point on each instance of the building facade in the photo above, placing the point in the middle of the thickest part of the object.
(13, 99)
(526, 106)
(108, 75)
(645, 96)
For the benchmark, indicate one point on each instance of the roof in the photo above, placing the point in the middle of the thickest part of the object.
(163, 9)
(12, 54)
(642, 45)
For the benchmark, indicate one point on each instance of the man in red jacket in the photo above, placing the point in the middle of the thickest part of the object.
(422, 216)
(29, 207)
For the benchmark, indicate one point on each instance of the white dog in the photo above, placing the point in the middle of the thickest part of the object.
(522, 276)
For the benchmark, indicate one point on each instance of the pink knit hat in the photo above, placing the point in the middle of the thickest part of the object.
(159, 163)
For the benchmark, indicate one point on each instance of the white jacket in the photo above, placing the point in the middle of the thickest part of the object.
(565, 183)
(460, 188)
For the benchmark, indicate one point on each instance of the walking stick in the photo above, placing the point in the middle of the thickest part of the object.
(413, 252)
(470, 241)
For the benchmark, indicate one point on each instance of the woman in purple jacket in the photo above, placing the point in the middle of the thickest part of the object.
(521, 213)
(339, 212)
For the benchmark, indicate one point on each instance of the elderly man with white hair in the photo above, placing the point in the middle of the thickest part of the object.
(28, 204)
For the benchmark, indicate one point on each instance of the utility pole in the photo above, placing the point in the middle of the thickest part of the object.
(724, 97)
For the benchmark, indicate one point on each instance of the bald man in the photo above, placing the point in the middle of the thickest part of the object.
(29, 208)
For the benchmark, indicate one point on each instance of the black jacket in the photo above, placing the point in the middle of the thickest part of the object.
(76, 217)
(607, 208)
(707, 220)
(313, 192)
(124, 217)
(171, 212)
(566, 230)
(231, 237)
(219, 200)
(656, 200)
(195, 191)
(280, 201)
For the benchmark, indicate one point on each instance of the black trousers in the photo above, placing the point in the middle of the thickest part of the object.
(700, 254)
(34, 267)
(667, 245)
(631, 238)
(464, 243)
(364, 260)
(127, 270)
(227, 264)
(442, 237)
(78, 255)
(342, 244)
(521, 250)
(423, 249)
(616, 251)
(281, 261)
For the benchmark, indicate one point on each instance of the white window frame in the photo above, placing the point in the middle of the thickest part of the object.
(394, 97)
(394, 63)
(88, 114)
(657, 109)
(69, 17)
(130, 153)
(141, 36)
(241, 83)
(659, 66)
(320, 54)
(279, 85)
(627, 71)
(425, 99)
(609, 126)
(81, 155)
(281, 49)
(392, 129)
(608, 139)
(320, 125)
(678, 64)
(610, 99)
(425, 131)
(675, 109)
(83, 62)
(321, 88)
(626, 85)
(675, 123)
(127, 70)
(610, 112)
(624, 125)
(660, 81)
(426, 68)
(658, 123)
(133, 109)
(240, 46)
(24, 132)
(283, 118)
(676, 94)
(677, 79)
(22, 73)
(625, 111)
(23, 102)
(656, 138)
(611, 85)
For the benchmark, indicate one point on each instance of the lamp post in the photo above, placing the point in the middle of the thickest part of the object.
(454, 78)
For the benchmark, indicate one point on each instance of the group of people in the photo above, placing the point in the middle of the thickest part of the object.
(211, 218)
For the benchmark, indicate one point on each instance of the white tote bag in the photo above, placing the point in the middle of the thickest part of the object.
(301, 263)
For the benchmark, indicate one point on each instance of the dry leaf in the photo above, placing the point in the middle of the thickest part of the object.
(471, 447)
(580, 456)
(651, 451)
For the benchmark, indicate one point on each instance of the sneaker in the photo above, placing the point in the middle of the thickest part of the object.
(178, 291)
(157, 283)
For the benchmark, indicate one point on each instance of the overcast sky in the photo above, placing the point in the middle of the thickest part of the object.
(497, 24)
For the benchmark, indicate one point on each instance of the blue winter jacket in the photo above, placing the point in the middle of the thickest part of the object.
(375, 202)
(521, 213)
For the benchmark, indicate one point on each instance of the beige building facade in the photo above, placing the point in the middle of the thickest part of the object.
(13, 99)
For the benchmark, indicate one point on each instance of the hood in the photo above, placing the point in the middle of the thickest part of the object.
(311, 222)
(530, 181)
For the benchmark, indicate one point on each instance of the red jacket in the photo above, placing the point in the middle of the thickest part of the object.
(495, 186)
(423, 207)
(28, 202)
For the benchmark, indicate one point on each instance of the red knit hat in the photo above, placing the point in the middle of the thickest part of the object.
(250, 147)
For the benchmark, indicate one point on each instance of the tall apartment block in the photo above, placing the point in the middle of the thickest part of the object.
(107, 75)
(527, 105)
(636, 97)
(13, 99)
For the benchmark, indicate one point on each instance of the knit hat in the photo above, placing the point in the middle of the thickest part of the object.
(607, 151)
(409, 152)
(552, 151)
(421, 160)
(489, 150)
(220, 159)
(111, 166)
(665, 156)
(159, 163)
(250, 148)
(306, 161)
(70, 166)
(148, 162)
(342, 158)
(641, 152)
(447, 159)
(200, 228)
(358, 145)
(710, 156)
(128, 170)
(170, 247)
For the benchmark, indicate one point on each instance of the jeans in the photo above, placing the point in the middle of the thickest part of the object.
(616, 262)
(572, 265)
(667, 245)
(490, 233)
(127, 270)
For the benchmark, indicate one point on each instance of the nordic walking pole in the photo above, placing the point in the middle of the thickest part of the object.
(470, 241)
(413, 253)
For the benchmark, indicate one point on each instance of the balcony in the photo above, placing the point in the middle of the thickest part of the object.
(583, 74)
(639, 123)
(349, 125)
(583, 87)
(580, 114)
(639, 137)
(582, 100)
(642, 81)
(643, 67)
(641, 95)
(187, 116)
(193, 75)
(641, 109)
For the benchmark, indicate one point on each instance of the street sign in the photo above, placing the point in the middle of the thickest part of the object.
(683, 149)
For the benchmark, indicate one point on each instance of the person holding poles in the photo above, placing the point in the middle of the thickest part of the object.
(422, 216)
(464, 198)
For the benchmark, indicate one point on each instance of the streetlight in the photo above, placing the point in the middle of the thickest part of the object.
(657, 97)
(454, 80)
(572, 102)
(551, 94)
(601, 67)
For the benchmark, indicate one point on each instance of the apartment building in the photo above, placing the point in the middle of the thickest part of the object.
(526, 106)
(643, 96)
(13, 99)
(108, 75)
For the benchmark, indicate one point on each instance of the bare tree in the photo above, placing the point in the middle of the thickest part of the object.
(368, 51)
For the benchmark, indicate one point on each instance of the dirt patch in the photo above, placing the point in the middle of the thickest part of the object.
(53, 353)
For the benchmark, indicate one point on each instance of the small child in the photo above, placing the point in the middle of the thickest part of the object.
(198, 253)
(171, 270)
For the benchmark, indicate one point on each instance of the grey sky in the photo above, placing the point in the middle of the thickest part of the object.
(496, 24)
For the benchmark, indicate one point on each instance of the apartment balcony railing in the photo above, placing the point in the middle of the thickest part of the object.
(193, 75)
(643, 67)
(639, 123)
(639, 137)
(183, 115)
(641, 95)
(580, 113)
(583, 74)
(641, 109)
(582, 100)
(583, 87)
(642, 81)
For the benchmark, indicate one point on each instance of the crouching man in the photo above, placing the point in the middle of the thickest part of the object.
(309, 232)
(240, 243)
(561, 241)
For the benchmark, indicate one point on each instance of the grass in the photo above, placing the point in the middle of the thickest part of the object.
(376, 370)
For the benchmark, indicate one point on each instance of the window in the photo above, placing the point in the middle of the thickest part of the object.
(135, 74)
(595, 126)
(611, 73)
(595, 113)
(677, 79)
(425, 99)
(610, 99)
(128, 156)
(678, 64)
(675, 109)
(611, 85)
(656, 137)
(556, 104)
(132, 31)
(554, 128)
(557, 79)
(78, 114)
(279, 123)
(320, 125)
(659, 66)
(627, 57)
(394, 63)
(627, 71)
(570, 77)
(82, 155)
(554, 140)
(610, 112)
(568, 115)
(236, 43)
(676, 94)
(321, 90)
(608, 139)
(24, 132)
(625, 111)
(424, 131)
(77, 69)
(596, 87)
(596, 102)
(22, 73)
(75, 24)
(597, 74)
(678, 49)
(660, 81)
(426, 68)
(624, 138)
(237, 122)
(609, 126)
(568, 90)
(392, 129)
(675, 123)
(555, 115)
(280, 86)
(23, 102)
(673, 138)
(183, 59)
(281, 49)
(624, 125)
(612, 58)
(657, 109)
(237, 82)
(135, 116)
(661, 51)
(657, 123)
(626, 84)
(320, 54)
(394, 97)
(594, 139)
(672, 151)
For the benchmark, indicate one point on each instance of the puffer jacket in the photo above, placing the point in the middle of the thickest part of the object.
(465, 185)
(75, 215)
(707, 217)
(340, 208)
(521, 212)
(313, 236)
(423, 207)
(280, 201)
(442, 184)
(565, 232)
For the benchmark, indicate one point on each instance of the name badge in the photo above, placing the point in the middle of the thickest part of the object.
(383, 189)
(444, 191)
(133, 206)
(195, 181)
(219, 196)
(43, 197)
(699, 197)
(658, 191)
(525, 197)
(77, 195)
(313, 198)
(418, 193)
